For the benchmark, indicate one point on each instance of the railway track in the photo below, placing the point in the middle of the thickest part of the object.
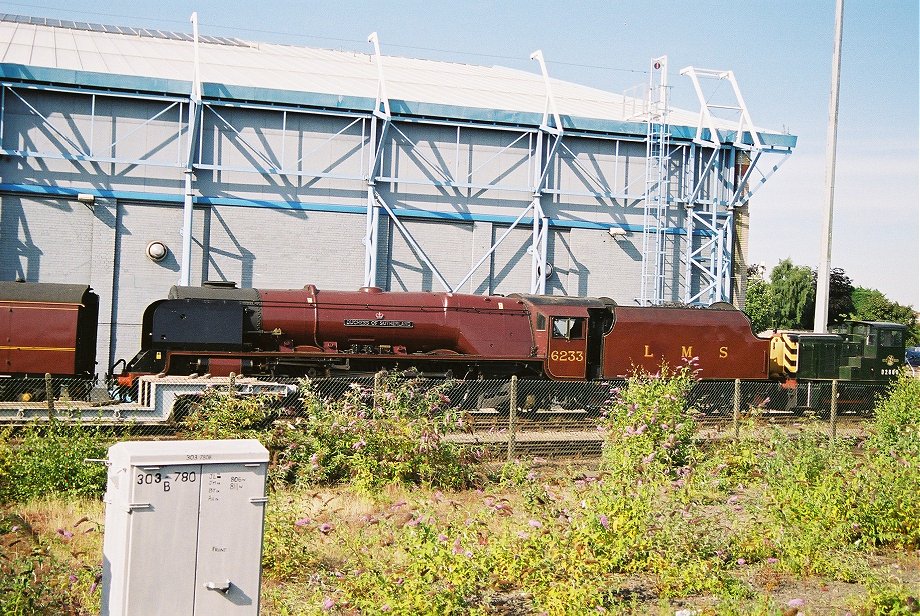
(567, 434)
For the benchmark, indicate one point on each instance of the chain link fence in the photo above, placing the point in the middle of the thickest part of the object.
(511, 418)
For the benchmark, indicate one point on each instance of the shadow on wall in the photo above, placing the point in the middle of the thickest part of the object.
(20, 258)
(211, 266)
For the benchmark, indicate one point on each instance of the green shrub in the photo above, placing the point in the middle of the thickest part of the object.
(897, 418)
(49, 458)
(221, 414)
(649, 427)
(393, 433)
(886, 597)
(825, 501)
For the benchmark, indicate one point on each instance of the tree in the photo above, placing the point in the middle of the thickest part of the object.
(793, 296)
(759, 304)
(840, 298)
(787, 301)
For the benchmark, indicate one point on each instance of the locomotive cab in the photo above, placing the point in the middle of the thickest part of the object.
(569, 334)
(172, 326)
(878, 350)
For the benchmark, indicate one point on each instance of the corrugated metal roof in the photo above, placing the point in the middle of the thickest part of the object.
(139, 53)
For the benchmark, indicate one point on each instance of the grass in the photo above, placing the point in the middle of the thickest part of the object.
(774, 523)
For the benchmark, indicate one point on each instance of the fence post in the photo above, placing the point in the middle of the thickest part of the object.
(833, 411)
(736, 408)
(49, 395)
(378, 377)
(512, 416)
(232, 385)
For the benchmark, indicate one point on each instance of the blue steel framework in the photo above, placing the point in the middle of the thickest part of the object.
(707, 182)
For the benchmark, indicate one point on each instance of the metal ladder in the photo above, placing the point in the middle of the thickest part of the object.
(655, 213)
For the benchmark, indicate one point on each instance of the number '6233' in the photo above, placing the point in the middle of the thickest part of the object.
(567, 356)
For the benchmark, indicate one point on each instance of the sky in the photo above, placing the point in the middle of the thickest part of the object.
(780, 52)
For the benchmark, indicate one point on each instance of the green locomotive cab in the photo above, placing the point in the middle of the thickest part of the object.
(874, 350)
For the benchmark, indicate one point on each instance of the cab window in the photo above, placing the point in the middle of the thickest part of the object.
(890, 338)
(569, 328)
(541, 322)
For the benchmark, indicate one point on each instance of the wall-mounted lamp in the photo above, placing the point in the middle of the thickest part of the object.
(87, 199)
(617, 233)
(156, 251)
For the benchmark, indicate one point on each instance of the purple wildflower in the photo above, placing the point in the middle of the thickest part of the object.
(535, 523)
(602, 518)
(302, 522)
(796, 603)
(328, 603)
(325, 528)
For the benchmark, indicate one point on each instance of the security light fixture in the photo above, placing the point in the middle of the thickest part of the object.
(156, 251)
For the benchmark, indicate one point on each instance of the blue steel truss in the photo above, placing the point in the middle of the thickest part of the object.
(709, 182)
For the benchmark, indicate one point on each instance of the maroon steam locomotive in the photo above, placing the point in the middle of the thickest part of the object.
(219, 330)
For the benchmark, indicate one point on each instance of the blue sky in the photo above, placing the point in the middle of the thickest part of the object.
(780, 52)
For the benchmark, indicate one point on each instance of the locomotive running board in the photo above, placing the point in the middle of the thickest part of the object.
(157, 398)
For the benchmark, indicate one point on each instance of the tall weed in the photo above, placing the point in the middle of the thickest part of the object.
(897, 419)
(390, 434)
(49, 458)
(649, 427)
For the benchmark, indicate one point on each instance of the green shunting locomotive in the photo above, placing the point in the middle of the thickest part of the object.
(863, 355)
(865, 351)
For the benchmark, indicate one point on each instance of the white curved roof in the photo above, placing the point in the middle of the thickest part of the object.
(145, 54)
